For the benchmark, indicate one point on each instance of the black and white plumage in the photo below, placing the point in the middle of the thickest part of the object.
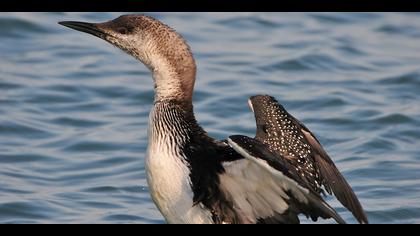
(194, 178)
(289, 138)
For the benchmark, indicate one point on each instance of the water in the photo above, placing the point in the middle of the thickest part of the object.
(74, 109)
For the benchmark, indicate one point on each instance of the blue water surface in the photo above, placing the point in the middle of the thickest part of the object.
(74, 109)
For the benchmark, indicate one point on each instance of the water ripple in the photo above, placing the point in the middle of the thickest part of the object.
(21, 130)
(17, 28)
(74, 110)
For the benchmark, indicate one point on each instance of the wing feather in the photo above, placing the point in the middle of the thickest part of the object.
(292, 141)
(266, 189)
(333, 178)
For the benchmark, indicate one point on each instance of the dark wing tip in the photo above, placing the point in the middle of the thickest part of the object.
(262, 99)
(341, 188)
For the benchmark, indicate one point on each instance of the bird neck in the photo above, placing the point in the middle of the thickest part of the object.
(173, 122)
(172, 65)
(174, 82)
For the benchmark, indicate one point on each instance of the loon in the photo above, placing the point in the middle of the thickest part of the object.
(273, 177)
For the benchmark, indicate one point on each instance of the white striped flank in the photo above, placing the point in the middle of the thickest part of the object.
(168, 176)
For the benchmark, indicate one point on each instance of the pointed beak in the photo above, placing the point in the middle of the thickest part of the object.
(89, 28)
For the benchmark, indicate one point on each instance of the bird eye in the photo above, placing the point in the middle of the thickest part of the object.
(122, 30)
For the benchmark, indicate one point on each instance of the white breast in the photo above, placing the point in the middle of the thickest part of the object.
(169, 181)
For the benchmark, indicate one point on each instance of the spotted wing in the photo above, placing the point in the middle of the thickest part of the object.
(266, 189)
(287, 137)
(333, 179)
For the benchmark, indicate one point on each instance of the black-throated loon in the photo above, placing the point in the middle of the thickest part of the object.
(193, 178)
